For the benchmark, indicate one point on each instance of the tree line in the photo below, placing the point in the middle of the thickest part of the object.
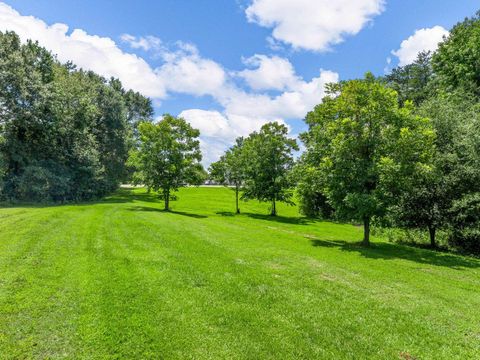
(65, 133)
(401, 150)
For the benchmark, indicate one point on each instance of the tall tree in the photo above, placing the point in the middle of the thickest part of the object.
(169, 156)
(269, 160)
(457, 60)
(367, 148)
(413, 81)
(230, 169)
(65, 131)
(456, 171)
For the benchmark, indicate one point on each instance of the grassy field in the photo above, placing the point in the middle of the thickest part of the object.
(121, 279)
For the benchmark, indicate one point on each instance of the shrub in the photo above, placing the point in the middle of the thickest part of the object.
(465, 223)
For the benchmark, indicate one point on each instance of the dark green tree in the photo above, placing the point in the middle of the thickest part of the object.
(269, 160)
(367, 148)
(456, 121)
(169, 156)
(65, 132)
(457, 60)
(413, 81)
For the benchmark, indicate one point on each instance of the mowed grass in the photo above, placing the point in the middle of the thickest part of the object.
(121, 279)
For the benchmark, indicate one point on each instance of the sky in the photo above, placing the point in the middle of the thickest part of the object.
(229, 66)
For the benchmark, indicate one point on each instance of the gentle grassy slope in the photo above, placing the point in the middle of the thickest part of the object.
(122, 279)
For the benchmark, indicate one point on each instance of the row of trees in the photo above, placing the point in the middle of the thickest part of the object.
(65, 134)
(401, 150)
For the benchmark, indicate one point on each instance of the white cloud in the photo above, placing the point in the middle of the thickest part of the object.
(313, 24)
(210, 123)
(245, 112)
(183, 70)
(91, 52)
(187, 72)
(291, 104)
(270, 73)
(422, 40)
(143, 42)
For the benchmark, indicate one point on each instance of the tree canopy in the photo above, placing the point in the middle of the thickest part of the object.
(168, 156)
(65, 132)
(269, 159)
(365, 148)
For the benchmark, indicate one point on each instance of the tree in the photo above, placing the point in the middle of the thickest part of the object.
(456, 62)
(230, 169)
(413, 81)
(169, 156)
(456, 169)
(269, 159)
(65, 132)
(465, 220)
(309, 186)
(367, 148)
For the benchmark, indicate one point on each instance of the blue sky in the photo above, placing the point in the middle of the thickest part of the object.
(228, 66)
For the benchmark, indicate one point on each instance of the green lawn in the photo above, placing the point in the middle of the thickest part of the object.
(121, 279)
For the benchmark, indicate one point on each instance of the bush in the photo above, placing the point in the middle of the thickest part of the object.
(42, 183)
(465, 221)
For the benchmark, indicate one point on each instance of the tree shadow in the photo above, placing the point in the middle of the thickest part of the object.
(282, 219)
(225, 213)
(152, 209)
(120, 196)
(386, 251)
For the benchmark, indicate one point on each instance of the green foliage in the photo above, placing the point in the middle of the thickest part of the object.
(169, 156)
(268, 158)
(457, 60)
(465, 220)
(413, 81)
(312, 200)
(456, 171)
(66, 132)
(365, 148)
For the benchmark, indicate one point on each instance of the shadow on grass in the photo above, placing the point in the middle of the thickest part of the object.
(226, 213)
(123, 195)
(387, 251)
(280, 219)
(152, 209)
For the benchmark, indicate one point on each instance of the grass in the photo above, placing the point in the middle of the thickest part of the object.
(122, 279)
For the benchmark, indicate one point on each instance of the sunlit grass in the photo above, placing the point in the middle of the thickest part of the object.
(121, 278)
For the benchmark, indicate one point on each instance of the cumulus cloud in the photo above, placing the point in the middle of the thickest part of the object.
(269, 73)
(246, 112)
(183, 70)
(422, 40)
(145, 43)
(99, 54)
(313, 24)
(291, 104)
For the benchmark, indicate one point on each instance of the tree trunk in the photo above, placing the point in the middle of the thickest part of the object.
(236, 199)
(166, 195)
(274, 208)
(432, 230)
(366, 231)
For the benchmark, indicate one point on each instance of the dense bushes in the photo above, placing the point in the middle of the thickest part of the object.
(65, 133)
(465, 222)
